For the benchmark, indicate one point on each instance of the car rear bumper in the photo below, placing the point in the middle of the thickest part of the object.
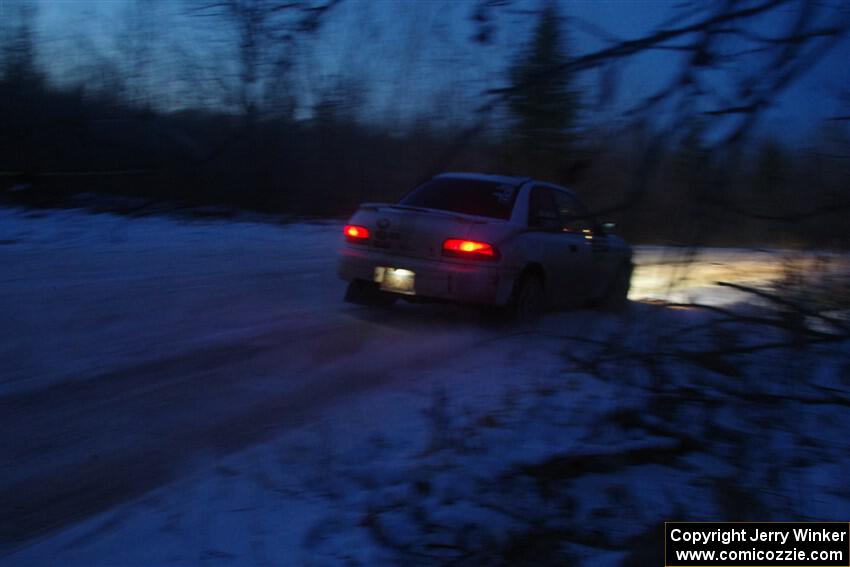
(463, 282)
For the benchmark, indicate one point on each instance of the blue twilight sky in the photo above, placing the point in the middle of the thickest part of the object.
(410, 57)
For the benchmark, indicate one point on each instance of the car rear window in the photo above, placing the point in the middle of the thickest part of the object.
(467, 196)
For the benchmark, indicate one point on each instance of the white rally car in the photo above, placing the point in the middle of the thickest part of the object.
(511, 242)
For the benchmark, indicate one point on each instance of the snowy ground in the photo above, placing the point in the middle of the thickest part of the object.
(183, 393)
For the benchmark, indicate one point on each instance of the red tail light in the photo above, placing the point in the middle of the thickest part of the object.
(354, 233)
(459, 248)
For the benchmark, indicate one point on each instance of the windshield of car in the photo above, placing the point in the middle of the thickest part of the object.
(467, 196)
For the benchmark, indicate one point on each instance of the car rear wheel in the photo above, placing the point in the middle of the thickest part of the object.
(528, 300)
(368, 293)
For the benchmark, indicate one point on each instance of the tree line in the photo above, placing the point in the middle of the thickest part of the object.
(58, 142)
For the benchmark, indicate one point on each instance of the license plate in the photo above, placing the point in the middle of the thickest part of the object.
(396, 280)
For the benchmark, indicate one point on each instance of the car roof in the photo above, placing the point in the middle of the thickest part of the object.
(507, 179)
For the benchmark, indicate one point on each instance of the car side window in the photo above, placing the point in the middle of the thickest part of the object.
(542, 210)
(573, 215)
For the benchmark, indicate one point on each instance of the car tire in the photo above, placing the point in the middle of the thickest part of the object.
(528, 300)
(617, 294)
(362, 292)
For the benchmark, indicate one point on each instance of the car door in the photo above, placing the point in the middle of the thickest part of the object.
(576, 227)
(564, 254)
(577, 220)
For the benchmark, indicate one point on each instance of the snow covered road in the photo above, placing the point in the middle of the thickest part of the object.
(130, 346)
(133, 349)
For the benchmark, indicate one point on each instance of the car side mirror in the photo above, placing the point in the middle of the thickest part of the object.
(607, 228)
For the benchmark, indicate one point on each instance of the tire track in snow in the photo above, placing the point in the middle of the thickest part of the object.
(93, 444)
